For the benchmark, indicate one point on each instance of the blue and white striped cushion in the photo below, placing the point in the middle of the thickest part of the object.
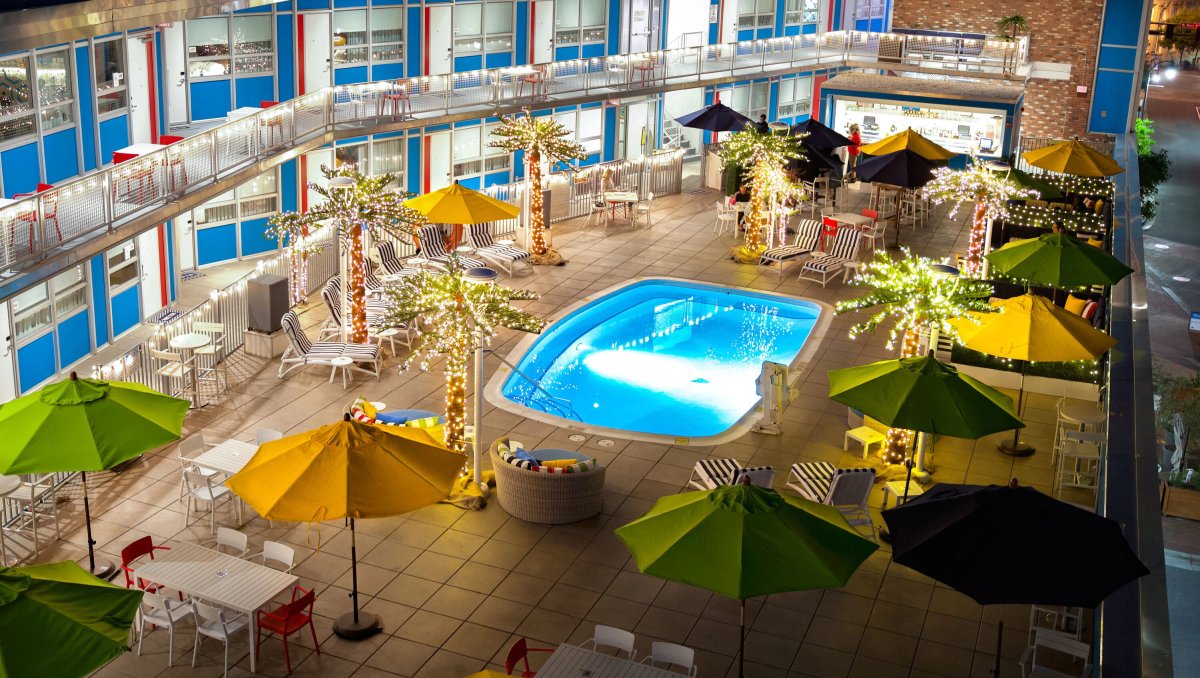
(825, 264)
(845, 244)
(505, 252)
(463, 262)
(432, 245)
(815, 478)
(291, 327)
(360, 351)
(785, 253)
(718, 472)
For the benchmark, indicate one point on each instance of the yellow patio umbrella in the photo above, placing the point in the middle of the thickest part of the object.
(348, 469)
(457, 204)
(489, 673)
(1073, 157)
(913, 141)
(1031, 328)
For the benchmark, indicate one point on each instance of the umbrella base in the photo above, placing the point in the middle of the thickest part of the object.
(105, 569)
(1016, 449)
(366, 626)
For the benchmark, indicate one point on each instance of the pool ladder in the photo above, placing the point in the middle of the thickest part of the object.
(551, 404)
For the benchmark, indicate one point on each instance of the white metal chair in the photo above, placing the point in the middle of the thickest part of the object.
(216, 623)
(200, 488)
(618, 639)
(35, 499)
(173, 367)
(190, 447)
(266, 435)
(808, 236)
(643, 207)
(163, 612)
(846, 489)
(1064, 652)
(1079, 461)
(212, 352)
(504, 256)
(726, 219)
(281, 554)
(672, 654)
(228, 538)
(825, 268)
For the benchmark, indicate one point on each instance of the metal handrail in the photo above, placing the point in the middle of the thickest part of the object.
(556, 400)
(33, 228)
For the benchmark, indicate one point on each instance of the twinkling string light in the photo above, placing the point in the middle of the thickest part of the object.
(990, 190)
(541, 139)
(448, 316)
(920, 296)
(764, 156)
(292, 229)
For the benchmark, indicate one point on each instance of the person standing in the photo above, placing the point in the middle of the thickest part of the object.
(761, 125)
(852, 152)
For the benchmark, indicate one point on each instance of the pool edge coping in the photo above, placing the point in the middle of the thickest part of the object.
(744, 425)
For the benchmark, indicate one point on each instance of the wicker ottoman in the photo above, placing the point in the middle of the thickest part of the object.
(552, 498)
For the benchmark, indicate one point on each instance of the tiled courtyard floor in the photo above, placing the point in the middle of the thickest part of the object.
(456, 588)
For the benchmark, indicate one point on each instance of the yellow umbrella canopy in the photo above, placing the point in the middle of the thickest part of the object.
(347, 469)
(913, 141)
(457, 204)
(1031, 327)
(489, 673)
(1073, 157)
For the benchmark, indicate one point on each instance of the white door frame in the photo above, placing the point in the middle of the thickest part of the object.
(317, 50)
(137, 79)
(541, 41)
(439, 45)
(150, 275)
(174, 75)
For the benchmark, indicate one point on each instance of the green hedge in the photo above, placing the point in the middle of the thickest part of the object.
(1082, 371)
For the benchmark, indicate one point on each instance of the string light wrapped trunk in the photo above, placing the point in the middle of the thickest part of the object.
(765, 155)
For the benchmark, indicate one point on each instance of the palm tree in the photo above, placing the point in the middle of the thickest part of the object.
(764, 155)
(542, 138)
(921, 295)
(991, 191)
(291, 230)
(454, 315)
(1009, 26)
(366, 205)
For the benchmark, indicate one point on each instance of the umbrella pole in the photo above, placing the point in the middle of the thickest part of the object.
(477, 402)
(899, 202)
(355, 625)
(1016, 448)
(742, 643)
(107, 569)
(999, 643)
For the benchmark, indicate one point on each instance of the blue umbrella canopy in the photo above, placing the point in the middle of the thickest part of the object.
(819, 135)
(715, 118)
(905, 169)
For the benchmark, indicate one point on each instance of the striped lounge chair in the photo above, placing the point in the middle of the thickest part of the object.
(709, 474)
(390, 262)
(823, 268)
(846, 489)
(302, 352)
(331, 294)
(504, 256)
(808, 234)
(433, 248)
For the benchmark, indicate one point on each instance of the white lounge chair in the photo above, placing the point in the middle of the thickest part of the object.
(390, 262)
(331, 294)
(823, 267)
(808, 234)
(846, 489)
(709, 474)
(433, 248)
(504, 256)
(302, 352)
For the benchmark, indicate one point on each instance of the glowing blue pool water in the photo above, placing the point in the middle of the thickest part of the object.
(661, 357)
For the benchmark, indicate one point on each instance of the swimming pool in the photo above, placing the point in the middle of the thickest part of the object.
(658, 359)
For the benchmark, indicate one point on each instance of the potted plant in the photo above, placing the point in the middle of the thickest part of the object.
(1010, 26)
(1178, 398)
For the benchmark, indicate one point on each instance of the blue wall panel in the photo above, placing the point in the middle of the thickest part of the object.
(499, 60)
(1122, 23)
(253, 240)
(349, 3)
(472, 183)
(496, 178)
(610, 133)
(520, 36)
(285, 59)
(287, 186)
(73, 341)
(566, 53)
(99, 300)
(169, 229)
(20, 169)
(62, 156)
(253, 91)
(83, 74)
(312, 4)
(211, 99)
(126, 310)
(591, 51)
(468, 63)
(1117, 58)
(390, 71)
(1110, 102)
(114, 135)
(416, 60)
(413, 173)
(35, 362)
(349, 76)
(614, 30)
(213, 245)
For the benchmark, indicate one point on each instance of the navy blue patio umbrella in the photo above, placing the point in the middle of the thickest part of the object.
(902, 169)
(819, 135)
(715, 118)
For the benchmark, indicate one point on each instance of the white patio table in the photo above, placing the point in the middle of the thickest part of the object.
(219, 579)
(572, 661)
(228, 457)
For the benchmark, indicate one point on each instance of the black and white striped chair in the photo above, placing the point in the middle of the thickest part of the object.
(331, 294)
(808, 234)
(302, 352)
(709, 474)
(846, 489)
(824, 267)
(504, 256)
(433, 248)
(390, 262)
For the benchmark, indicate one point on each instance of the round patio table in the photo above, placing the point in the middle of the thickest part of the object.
(186, 344)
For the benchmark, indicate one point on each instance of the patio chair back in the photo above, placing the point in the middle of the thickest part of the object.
(279, 553)
(851, 487)
(480, 235)
(296, 336)
(619, 639)
(331, 296)
(762, 476)
(432, 244)
(845, 244)
(808, 233)
(134, 550)
(519, 653)
(388, 258)
(210, 618)
(672, 653)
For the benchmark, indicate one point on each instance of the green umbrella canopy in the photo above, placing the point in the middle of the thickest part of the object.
(85, 425)
(744, 541)
(1045, 189)
(58, 620)
(925, 395)
(1060, 260)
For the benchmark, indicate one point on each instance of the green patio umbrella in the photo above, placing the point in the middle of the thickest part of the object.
(744, 541)
(58, 620)
(1045, 189)
(1059, 260)
(81, 425)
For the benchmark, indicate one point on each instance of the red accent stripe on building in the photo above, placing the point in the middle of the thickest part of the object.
(816, 96)
(304, 183)
(532, 19)
(300, 54)
(425, 71)
(425, 164)
(152, 79)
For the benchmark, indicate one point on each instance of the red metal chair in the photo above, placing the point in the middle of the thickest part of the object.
(273, 123)
(49, 211)
(136, 549)
(174, 158)
(288, 619)
(398, 98)
(830, 230)
(519, 652)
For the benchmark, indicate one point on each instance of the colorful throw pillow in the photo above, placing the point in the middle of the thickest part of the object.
(1089, 311)
(1095, 242)
(423, 422)
(1075, 305)
(359, 411)
(367, 407)
(560, 463)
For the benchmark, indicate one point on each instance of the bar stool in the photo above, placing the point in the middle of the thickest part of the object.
(1079, 461)
(1073, 416)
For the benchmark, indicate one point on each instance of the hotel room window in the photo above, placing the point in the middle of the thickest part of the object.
(108, 61)
(16, 99)
(55, 94)
(578, 21)
(754, 14)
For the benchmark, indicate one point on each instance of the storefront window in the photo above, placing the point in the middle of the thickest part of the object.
(122, 266)
(578, 21)
(587, 126)
(218, 46)
(257, 196)
(801, 12)
(16, 99)
(108, 58)
(70, 291)
(795, 97)
(870, 9)
(220, 210)
(751, 100)
(960, 130)
(54, 89)
(755, 14)
(349, 37)
(351, 155)
(472, 155)
(387, 34)
(253, 45)
(31, 312)
(387, 156)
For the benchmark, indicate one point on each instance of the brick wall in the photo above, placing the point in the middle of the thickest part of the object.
(1064, 31)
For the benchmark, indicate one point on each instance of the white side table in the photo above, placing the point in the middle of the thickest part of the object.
(341, 363)
(389, 335)
(896, 489)
(851, 268)
(864, 435)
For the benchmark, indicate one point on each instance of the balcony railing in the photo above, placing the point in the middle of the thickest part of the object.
(33, 228)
